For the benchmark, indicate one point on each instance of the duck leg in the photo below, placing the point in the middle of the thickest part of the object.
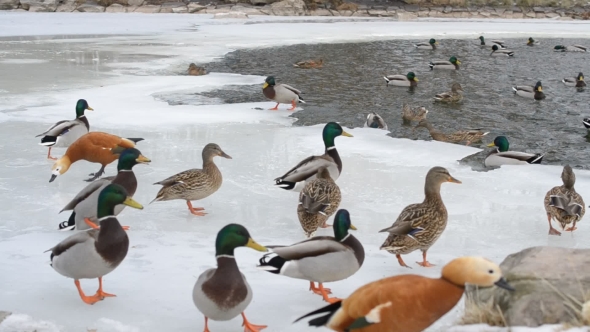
(293, 105)
(94, 226)
(276, 108)
(424, 262)
(100, 292)
(206, 324)
(194, 210)
(552, 231)
(325, 294)
(401, 261)
(49, 155)
(316, 290)
(94, 176)
(571, 229)
(249, 327)
(87, 299)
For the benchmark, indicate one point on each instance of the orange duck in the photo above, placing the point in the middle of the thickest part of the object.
(95, 147)
(408, 303)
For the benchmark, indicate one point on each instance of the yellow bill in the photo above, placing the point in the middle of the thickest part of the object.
(453, 180)
(252, 244)
(416, 79)
(90, 108)
(264, 85)
(132, 203)
(458, 62)
(346, 134)
(491, 144)
(353, 227)
(142, 159)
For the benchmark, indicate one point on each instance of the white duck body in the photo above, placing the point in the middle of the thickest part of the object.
(511, 158)
(374, 120)
(64, 133)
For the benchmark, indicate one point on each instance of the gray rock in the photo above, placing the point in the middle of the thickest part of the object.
(195, 7)
(168, 7)
(3, 315)
(66, 7)
(288, 8)
(8, 4)
(135, 2)
(90, 7)
(516, 9)
(406, 16)
(116, 8)
(230, 15)
(447, 9)
(148, 9)
(541, 277)
(39, 5)
(321, 12)
(261, 2)
(411, 8)
(538, 9)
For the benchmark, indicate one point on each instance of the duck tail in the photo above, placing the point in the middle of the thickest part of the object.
(386, 79)
(135, 140)
(272, 263)
(301, 100)
(431, 65)
(48, 140)
(322, 320)
(287, 185)
(514, 89)
(586, 122)
(536, 159)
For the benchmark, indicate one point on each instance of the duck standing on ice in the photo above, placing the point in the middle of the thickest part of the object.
(281, 93)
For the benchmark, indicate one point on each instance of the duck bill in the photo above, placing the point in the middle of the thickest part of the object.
(416, 79)
(53, 176)
(540, 89)
(265, 85)
(353, 227)
(458, 62)
(142, 159)
(252, 244)
(453, 180)
(225, 155)
(502, 283)
(491, 145)
(346, 134)
(132, 203)
(90, 108)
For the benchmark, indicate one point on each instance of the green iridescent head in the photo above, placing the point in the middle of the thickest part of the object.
(331, 131)
(233, 236)
(342, 224)
(454, 60)
(411, 76)
(129, 158)
(82, 106)
(432, 41)
(559, 47)
(501, 142)
(111, 196)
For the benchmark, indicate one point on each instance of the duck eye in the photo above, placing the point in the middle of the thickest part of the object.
(491, 271)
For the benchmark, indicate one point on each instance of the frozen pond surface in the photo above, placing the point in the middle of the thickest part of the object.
(491, 214)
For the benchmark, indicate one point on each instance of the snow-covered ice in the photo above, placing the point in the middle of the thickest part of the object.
(491, 214)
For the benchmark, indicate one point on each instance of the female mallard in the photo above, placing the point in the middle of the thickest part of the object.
(375, 120)
(471, 135)
(194, 184)
(85, 203)
(223, 293)
(97, 252)
(420, 225)
(530, 92)
(63, 133)
(413, 114)
(400, 80)
(281, 94)
(308, 64)
(431, 45)
(408, 303)
(501, 156)
(577, 82)
(318, 200)
(307, 169)
(95, 147)
(195, 70)
(532, 42)
(572, 48)
(496, 51)
(320, 259)
(564, 204)
(452, 64)
(453, 96)
(500, 43)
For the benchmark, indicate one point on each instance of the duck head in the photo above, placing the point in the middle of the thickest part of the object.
(331, 131)
(476, 271)
(411, 76)
(482, 40)
(494, 48)
(559, 48)
(60, 167)
(213, 150)
(233, 236)
(81, 106)
(454, 60)
(539, 87)
(500, 142)
(129, 158)
(456, 87)
(269, 81)
(111, 196)
(342, 224)
(580, 77)
(568, 177)
(531, 41)
(433, 41)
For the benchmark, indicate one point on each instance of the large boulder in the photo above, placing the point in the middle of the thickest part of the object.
(8, 4)
(550, 285)
(39, 5)
(288, 8)
(91, 7)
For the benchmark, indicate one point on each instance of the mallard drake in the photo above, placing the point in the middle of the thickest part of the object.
(530, 92)
(375, 120)
(501, 156)
(572, 48)
(413, 114)
(65, 132)
(532, 42)
(320, 259)
(281, 94)
(318, 200)
(564, 204)
(95, 147)
(420, 225)
(307, 169)
(195, 70)
(84, 205)
(577, 81)
(400, 80)
(431, 45)
(97, 252)
(453, 96)
(496, 51)
(452, 64)
(308, 64)
(194, 184)
(408, 303)
(500, 43)
(223, 293)
(471, 135)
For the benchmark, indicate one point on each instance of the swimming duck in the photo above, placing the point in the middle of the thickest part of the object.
(500, 43)
(223, 293)
(419, 225)
(453, 96)
(318, 200)
(319, 259)
(308, 64)
(84, 205)
(471, 135)
(97, 252)
(564, 204)
(95, 147)
(452, 64)
(413, 114)
(572, 48)
(431, 45)
(530, 92)
(400, 80)
(577, 82)
(501, 156)
(532, 42)
(195, 70)
(496, 51)
(281, 94)
(374, 120)
(194, 184)
(64, 133)
(586, 122)
(307, 169)
(408, 303)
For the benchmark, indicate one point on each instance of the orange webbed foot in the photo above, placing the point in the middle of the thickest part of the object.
(249, 327)
(293, 105)
(91, 224)
(553, 231)
(195, 210)
(425, 264)
(316, 290)
(102, 293)
(325, 293)
(276, 108)
(570, 229)
(401, 262)
(87, 299)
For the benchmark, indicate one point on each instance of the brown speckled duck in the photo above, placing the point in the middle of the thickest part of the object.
(194, 184)
(564, 204)
(308, 64)
(453, 96)
(195, 70)
(413, 114)
(471, 135)
(318, 200)
(420, 225)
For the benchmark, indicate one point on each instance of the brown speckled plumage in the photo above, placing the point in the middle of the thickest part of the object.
(413, 114)
(472, 135)
(566, 206)
(318, 200)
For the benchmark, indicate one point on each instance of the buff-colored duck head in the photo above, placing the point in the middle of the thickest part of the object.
(213, 150)
(61, 166)
(476, 271)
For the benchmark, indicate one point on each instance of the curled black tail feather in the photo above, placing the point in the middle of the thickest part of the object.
(322, 320)
(536, 159)
(287, 185)
(272, 263)
(135, 140)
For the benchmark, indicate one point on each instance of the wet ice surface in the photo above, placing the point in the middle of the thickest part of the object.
(491, 214)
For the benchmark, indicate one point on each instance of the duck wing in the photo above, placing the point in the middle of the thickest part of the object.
(525, 88)
(400, 78)
(306, 168)
(316, 246)
(73, 240)
(87, 191)
(60, 128)
(522, 156)
(182, 177)
(288, 87)
(411, 220)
